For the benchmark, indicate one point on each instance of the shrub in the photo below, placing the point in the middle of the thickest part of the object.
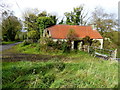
(42, 44)
(109, 44)
(92, 50)
(71, 36)
(48, 45)
(38, 47)
(26, 42)
(66, 47)
(87, 41)
(96, 43)
(33, 35)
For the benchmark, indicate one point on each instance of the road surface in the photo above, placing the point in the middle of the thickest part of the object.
(4, 47)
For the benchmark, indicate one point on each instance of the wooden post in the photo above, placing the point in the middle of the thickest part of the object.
(80, 46)
(88, 48)
(95, 49)
(84, 47)
(72, 47)
(114, 54)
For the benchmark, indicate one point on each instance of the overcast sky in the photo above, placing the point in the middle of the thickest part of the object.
(59, 7)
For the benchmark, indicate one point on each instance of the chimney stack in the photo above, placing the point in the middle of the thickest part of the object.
(93, 26)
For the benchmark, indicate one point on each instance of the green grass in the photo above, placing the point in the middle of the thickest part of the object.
(33, 49)
(72, 70)
(85, 74)
(9, 42)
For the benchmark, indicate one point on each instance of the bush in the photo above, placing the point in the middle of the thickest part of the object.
(109, 44)
(26, 42)
(5, 38)
(92, 50)
(87, 40)
(33, 45)
(48, 45)
(38, 47)
(42, 44)
(33, 35)
(96, 43)
(66, 47)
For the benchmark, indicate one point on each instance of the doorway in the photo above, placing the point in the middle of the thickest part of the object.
(76, 45)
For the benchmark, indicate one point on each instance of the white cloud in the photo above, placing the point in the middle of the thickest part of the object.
(61, 6)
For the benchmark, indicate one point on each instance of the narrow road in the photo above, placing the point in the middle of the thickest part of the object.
(5, 47)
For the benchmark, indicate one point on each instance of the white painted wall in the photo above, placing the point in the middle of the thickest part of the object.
(59, 39)
(100, 40)
(45, 32)
(72, 47)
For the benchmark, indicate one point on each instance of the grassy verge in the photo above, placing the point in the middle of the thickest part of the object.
(74, 70)
(33, 49)
(9, 42)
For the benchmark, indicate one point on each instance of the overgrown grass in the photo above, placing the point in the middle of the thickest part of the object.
(33, 49)
(74, 70)
(85, 74)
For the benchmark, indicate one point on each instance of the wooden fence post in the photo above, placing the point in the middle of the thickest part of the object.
(114, 54)
(88, 49)
(80, 46)
(95, 48)
(72, 47)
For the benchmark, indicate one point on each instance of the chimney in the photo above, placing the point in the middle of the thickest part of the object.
(93, 26)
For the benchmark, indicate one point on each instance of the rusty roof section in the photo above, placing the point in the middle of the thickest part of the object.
(61, 31)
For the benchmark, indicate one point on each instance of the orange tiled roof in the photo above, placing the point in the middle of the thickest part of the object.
(61, 31)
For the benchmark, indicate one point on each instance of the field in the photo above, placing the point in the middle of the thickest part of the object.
(72, 70)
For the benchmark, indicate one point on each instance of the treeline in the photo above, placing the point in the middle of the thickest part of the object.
(11, 26)
(102, 21)
(34, 22)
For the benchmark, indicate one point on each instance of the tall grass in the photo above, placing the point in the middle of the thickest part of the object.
(51, 74)
(69, 70)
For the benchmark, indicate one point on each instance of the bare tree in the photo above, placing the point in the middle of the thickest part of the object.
(104, 22)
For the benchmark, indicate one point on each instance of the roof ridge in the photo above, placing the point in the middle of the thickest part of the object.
(73, 25)
(67, 25)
